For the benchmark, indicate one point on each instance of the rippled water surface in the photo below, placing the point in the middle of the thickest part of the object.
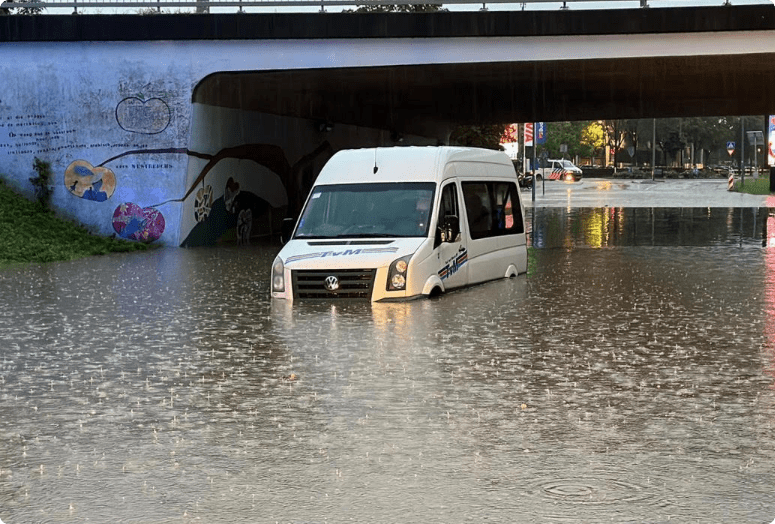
(627, 378)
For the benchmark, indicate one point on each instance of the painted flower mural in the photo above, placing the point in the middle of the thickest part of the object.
(203, 203)
(132, 222)
(89, 182)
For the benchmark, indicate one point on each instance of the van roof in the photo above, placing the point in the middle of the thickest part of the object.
(401, 164)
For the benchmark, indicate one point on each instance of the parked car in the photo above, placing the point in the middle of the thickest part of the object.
(560, 170)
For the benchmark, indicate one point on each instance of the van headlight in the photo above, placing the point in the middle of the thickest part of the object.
(397, 274)
(278, 275)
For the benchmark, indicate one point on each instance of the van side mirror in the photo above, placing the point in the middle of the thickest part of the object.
(450, 229)
(287, 229)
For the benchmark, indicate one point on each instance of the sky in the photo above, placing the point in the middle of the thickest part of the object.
(531, 6)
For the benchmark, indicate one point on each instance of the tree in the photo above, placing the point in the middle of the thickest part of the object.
(673, 144)
(593, 136)
(487, 136)
(396, 8)
(615, 134)
(676, 136)
(570, 134)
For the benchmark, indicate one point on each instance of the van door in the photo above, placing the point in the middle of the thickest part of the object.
(481, 218)
(452, 255)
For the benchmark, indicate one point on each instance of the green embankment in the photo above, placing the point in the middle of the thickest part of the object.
(30, 233)
(759, 186)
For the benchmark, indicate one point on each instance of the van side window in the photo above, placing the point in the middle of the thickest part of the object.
(448, 207)
(493, 209)
(478, 208)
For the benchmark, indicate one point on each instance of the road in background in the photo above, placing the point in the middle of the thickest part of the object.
(603, 192)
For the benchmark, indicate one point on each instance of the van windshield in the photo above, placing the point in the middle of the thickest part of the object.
(367, 210)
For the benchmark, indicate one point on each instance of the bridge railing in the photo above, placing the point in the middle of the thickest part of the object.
(206, 5)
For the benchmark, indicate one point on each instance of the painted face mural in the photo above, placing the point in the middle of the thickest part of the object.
(244, 226)
(230, 195)
(89, 182)
(135, 223)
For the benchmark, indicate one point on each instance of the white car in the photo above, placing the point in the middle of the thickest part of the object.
(560, 170)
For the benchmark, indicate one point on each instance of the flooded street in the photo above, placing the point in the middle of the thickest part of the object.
(628, 378)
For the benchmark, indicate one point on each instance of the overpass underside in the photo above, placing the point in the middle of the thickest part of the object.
(422, 98)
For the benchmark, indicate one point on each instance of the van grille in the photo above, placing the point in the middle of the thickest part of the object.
(353, 283)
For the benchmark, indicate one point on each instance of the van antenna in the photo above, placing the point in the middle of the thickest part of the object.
(375, 161)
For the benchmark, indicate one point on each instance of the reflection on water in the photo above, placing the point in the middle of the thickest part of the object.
(610, 226)
(629, 384)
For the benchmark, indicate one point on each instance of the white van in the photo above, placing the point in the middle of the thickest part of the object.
(403, 222)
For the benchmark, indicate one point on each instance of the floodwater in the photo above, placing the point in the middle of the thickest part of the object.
(628, 378)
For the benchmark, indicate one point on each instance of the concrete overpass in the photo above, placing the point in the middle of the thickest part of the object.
(176, 113)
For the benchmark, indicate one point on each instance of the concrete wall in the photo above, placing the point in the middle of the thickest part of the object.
(110, 126)
(132, 156)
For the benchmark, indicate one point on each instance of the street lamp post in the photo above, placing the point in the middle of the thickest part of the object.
(533, 164)
(653, 146)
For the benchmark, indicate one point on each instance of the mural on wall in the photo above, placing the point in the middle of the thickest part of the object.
(98, 183)
(137, 115)
(203, 203)
(244, 226)
(230, 194)
(129, 220)
(236, 210)
(88, 182)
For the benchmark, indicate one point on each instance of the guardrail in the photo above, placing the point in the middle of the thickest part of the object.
(203, 6)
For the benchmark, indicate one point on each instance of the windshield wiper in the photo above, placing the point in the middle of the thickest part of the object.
(367, 235)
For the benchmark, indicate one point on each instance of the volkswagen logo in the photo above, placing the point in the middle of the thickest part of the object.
(331, 283)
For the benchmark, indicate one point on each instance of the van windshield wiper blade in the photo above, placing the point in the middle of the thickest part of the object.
(367, 235)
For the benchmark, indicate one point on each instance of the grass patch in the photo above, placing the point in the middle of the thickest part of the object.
(531, 260)
(31, 233)
(759, 186)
